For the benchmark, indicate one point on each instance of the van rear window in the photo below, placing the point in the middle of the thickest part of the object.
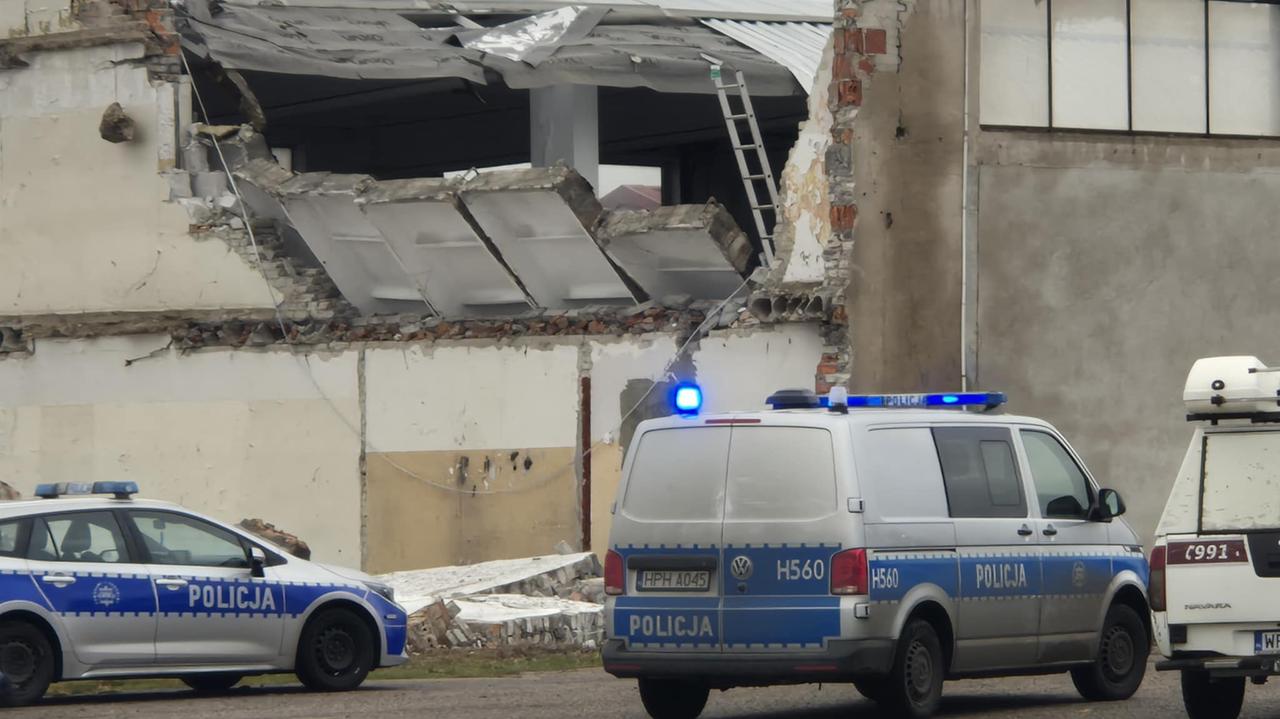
(678, 475)
(1240, 488)
(780, 473)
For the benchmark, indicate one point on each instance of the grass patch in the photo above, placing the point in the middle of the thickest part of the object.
(438, 664)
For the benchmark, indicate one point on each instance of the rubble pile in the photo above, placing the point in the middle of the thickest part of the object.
(551, 601)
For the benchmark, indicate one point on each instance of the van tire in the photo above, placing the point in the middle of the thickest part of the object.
(914, 685)
(25, 653)
(1206, 698)
(673, 699)
(1122, 658)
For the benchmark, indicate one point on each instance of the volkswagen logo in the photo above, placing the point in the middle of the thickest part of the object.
(741, 567)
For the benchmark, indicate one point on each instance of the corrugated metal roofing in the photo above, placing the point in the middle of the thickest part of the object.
(798, 46)
(771, 10)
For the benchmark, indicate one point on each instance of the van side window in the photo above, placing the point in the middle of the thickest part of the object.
(1061, 487)
(979, 472)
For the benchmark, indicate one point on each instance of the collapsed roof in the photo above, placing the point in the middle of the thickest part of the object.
(661, 46)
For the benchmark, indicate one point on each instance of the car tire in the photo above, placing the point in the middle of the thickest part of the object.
(871, 687)
(673, 699)
(1207, 698)
(211, 683)
(1122, 658)
(336, 651)
(26, 662)
(914, 686)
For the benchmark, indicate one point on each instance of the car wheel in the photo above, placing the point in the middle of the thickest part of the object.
(335, 652)
(26, 662)
(871, 688)
(1207, 698)
(1122, 658)
(211, 683)
(914, 687)
(671, 699)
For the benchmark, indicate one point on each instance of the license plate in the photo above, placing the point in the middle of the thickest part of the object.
(659, 580)
(1266, 642)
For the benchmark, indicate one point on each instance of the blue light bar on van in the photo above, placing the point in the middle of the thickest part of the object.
(987, 400)
(122, 490)
(687, 398)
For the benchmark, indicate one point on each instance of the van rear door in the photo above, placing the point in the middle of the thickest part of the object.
(668, 532)
(783, 522)
(1229, 571)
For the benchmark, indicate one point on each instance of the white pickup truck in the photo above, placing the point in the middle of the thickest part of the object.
(1215, 567)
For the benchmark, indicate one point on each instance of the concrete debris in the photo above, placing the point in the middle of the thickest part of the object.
(549, 601)
(116, 126)
(286, 541)
(7, 492)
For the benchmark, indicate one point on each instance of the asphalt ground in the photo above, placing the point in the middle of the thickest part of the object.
(591, 693)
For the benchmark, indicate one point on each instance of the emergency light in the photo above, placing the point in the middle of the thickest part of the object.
(988, 400)
(687, 398)
(121, 490)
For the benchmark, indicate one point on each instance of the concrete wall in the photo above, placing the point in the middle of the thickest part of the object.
(84, 223)
(233, 434)
(1099, 266)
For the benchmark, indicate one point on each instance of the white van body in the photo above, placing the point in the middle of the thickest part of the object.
(969, 521)
(1216, 559)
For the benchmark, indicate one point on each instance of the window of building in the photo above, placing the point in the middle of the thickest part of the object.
(979, 471)
(1169, 66)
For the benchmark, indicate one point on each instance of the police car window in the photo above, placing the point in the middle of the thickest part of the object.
(9, 538)
(77, 537)
(1061, 487)
(176, 539)
(780, 473)
(979, 472)
(678, 475)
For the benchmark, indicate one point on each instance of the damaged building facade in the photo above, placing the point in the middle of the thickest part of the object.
(351, 272)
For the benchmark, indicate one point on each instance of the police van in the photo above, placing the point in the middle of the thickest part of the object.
(1215, 567)
(887, 541)
(98, 587)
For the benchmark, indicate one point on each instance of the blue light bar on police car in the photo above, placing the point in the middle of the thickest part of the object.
(687, 398)
(121, 490)
(987, 400)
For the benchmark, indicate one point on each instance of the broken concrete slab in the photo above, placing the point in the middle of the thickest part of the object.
(533, 576)
(286, 541)
(116, 126)
(692, 250)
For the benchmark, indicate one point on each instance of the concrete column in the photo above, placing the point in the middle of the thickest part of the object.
(564, 125)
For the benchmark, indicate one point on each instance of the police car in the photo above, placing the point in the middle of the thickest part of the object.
(887, 541)
(108, 587)
(1215, 567)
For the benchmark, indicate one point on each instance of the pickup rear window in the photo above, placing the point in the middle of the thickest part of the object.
(1240, 482)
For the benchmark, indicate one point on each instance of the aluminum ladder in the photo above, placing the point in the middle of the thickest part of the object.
(751, 177)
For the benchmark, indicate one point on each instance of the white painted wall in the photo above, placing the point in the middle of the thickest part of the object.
(739, 369)
(472, 396)
(84, 223)
(232, 434)
(20, 18)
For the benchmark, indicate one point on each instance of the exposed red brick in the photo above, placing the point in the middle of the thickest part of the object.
(849, 93)
(839, 315)
(875, 41)
(839, 42)
(866, 66)
(821, 386)
(852, 39)
(842, 66)
(843, 217)
(849, 13)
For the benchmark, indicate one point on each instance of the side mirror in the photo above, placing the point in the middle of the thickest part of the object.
(1110, 505)
(257, 562)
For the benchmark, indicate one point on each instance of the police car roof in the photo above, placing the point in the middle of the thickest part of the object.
(23, 507)
(856, 416)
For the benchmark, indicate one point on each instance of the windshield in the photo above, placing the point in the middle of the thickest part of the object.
(1240, 482)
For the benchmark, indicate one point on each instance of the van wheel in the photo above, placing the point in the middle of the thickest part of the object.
(211, 683)
(1122, 658)
(1207, 698)
(914, 686)
(26, 664)
(671, 699)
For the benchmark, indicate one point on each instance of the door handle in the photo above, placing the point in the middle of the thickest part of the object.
(60, 580)
(1050, 530)
(1024, 531)
(171, 582)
